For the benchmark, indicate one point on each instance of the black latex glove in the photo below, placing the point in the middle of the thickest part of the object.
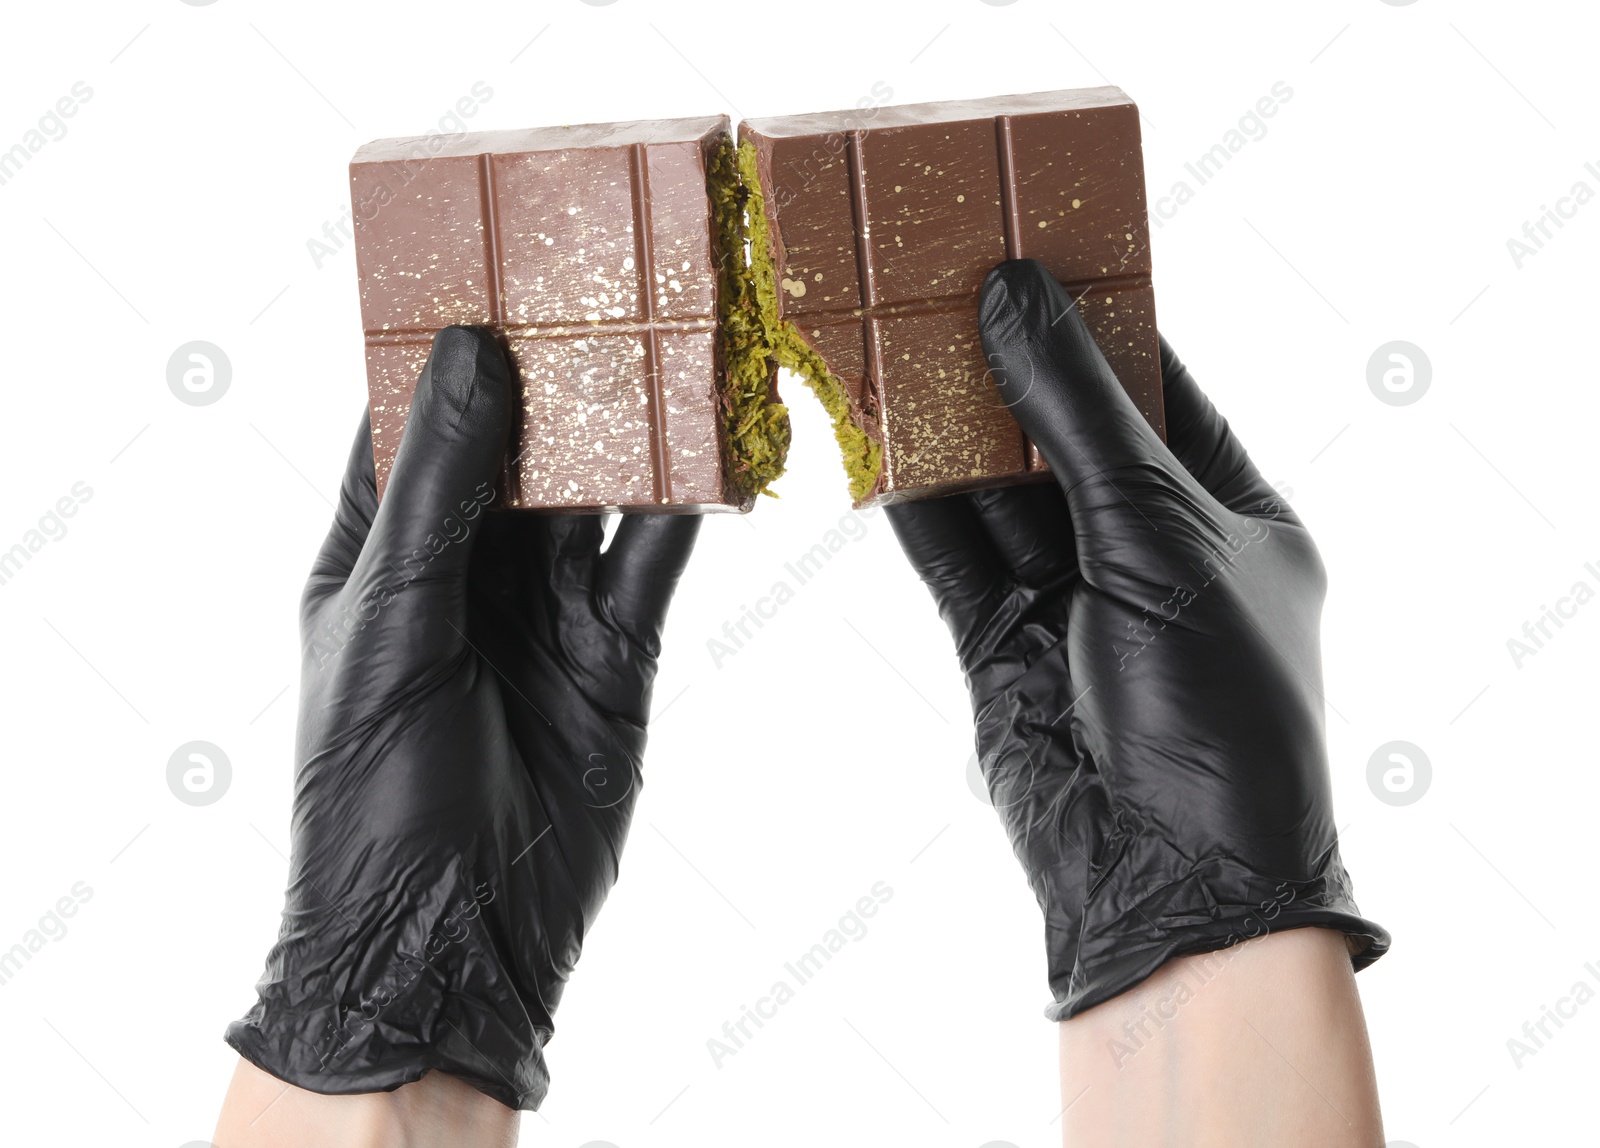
(1141, 643)
(473, 696)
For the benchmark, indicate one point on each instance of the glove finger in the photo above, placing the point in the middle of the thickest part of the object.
(443, 475)
(1031, 530)
(1205, 444)
(1052, 375)
(640, 570)
(352, 518)
(1130, 500)
(952, 554)
(568, 546)
(537, 564)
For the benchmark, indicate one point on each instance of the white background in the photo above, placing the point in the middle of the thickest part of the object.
(783, 785)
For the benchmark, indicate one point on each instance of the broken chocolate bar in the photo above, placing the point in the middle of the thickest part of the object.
(873, 231)
(599, 255)
(647, 280)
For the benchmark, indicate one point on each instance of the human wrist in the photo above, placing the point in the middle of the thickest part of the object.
(437, 1111)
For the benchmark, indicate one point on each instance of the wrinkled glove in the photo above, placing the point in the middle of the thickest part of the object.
(1140, 638)
(473, 696)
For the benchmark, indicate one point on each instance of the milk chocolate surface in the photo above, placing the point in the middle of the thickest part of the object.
(591, 250)
(885, 222)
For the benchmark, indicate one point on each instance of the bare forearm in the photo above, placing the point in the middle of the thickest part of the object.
(438, 1111)
(1263, 1043)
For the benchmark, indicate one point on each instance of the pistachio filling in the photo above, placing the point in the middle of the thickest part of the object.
(754, 338)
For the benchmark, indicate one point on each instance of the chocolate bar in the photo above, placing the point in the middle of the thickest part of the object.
(879, 226)
(599, 255)
(647, 280)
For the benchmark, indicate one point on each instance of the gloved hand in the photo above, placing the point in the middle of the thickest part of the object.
(473, 697)
(1140, 639)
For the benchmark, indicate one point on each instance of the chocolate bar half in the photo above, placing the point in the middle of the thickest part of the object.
(880, 225)
(605, 257)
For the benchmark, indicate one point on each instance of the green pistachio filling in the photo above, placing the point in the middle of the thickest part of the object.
(754, 338)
